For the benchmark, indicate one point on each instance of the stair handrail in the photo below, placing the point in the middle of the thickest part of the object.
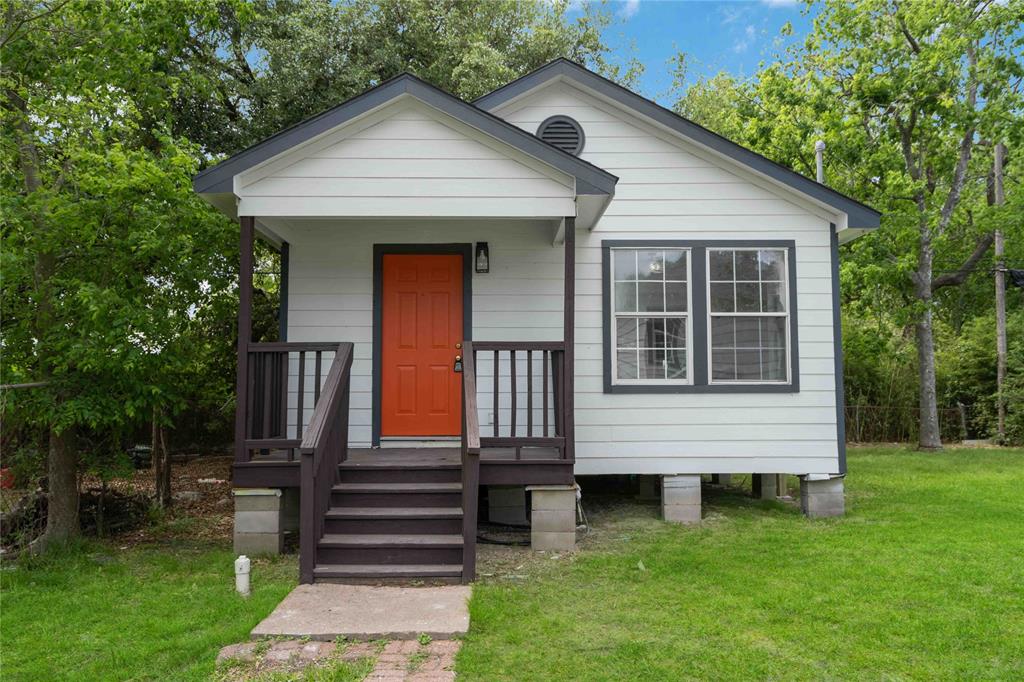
(324, 446)
(470, 462)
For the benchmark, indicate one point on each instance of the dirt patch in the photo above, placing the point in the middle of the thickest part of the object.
(202, 507)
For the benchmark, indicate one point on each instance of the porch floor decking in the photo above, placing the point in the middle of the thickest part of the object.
(423, 456)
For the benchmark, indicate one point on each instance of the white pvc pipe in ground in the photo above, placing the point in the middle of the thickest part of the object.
(242, 568)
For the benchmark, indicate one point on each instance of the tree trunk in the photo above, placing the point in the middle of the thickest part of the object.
(62, 492)
(928, 433)
(161, 464)
(62, 459)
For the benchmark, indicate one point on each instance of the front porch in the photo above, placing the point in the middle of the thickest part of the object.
(386, 508)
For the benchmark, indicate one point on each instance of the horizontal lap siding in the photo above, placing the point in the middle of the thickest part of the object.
(669, 191)
(330, 298)
(411, 162)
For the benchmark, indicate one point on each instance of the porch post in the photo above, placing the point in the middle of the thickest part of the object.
(244, 330)
(569, 334)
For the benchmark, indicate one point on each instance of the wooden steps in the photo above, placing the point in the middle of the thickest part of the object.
(392, 522)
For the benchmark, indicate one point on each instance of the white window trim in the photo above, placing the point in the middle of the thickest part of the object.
(616, 381)
(787, 351)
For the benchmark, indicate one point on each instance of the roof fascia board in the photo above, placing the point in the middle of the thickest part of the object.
(220, 178)
(859, 215)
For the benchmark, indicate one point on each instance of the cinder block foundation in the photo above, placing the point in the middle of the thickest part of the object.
(507, 505)
(680, 498)
(552, 517)
(290, 510)
(822, 496)
(258, 526)
(768, 486)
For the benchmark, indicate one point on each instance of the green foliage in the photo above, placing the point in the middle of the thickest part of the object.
(970, 365)
(268, 64)
(908, 97)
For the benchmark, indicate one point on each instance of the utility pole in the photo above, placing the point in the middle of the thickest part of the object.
(1000, 197)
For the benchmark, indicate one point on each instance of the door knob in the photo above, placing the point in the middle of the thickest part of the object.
(458, 364)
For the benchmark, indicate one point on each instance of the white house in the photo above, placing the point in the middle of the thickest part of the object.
(560, 279)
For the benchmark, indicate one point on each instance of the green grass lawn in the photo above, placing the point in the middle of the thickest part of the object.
(141, 614)
(923, 579)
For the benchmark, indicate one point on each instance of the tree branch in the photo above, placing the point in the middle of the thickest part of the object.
(957, 278)
(966, 146)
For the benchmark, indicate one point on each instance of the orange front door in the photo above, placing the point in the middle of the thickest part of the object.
(421, 325)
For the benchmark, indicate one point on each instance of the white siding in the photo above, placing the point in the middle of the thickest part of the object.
(669, 189)
(405, 160)
(330, 295)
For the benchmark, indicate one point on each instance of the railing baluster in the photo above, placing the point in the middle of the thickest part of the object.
(282, 369)
(250, 397)
(265, 416)
(512, 391)
(316, 380)
(495, 394)
(300, 414)
(529, 393)
(544, 392)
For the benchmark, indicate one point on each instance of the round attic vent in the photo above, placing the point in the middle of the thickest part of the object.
(562, 132)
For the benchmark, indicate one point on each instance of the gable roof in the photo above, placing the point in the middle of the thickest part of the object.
(859, 215)
(589, 178)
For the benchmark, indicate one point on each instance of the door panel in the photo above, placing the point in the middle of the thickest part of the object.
(421, 324)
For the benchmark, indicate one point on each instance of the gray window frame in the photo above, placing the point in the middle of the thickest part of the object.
(686, 315)
(700, 320)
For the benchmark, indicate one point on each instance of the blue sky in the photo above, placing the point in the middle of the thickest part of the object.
(729, 35)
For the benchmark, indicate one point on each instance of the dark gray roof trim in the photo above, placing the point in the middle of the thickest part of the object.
(589, 178)
(860, 215)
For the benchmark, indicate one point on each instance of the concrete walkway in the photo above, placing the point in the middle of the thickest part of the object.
(325, 611)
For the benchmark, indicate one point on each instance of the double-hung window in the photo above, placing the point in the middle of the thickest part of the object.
(747, 305)
(650, 311)
(690, 316)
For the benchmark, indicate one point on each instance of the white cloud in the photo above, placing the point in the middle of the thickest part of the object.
(780, 3)
(741, 45)
(730, 15)
(629, 8)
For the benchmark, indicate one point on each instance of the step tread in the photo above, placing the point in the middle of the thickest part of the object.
(398, 466)
(394, 512)
(390, 540)
(453, 487)
(387, 570)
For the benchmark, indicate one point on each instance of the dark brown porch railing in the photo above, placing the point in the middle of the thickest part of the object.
(324, 446)
(528, 406)
(269, 431)
(470, 463)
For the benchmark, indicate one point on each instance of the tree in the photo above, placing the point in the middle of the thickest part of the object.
(118, 280)
(906, 96)
(108, 253)
(268, 64)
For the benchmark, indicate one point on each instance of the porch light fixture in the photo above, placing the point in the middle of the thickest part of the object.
(482, 258)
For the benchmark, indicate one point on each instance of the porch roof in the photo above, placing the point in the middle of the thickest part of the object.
(218, 183)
